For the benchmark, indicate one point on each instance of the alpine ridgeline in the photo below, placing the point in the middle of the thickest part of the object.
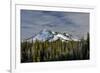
(48, 35)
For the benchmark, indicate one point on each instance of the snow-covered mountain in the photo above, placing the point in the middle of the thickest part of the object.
(52, 36)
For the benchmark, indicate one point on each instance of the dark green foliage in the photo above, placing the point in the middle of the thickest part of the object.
(55, 51)
(26, 52)
(85, 47)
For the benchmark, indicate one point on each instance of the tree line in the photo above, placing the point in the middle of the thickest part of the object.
(55, 50)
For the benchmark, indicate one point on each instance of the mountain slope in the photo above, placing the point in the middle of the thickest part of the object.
(52, 36)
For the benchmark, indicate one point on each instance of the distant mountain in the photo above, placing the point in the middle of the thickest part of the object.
(49, 35)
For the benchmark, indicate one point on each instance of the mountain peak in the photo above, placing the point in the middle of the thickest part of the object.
(43, 35)
(49, 35)
(45, 30)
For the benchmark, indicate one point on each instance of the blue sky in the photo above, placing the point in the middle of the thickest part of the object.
(33, 21)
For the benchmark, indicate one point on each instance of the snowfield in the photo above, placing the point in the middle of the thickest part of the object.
(51, 36)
